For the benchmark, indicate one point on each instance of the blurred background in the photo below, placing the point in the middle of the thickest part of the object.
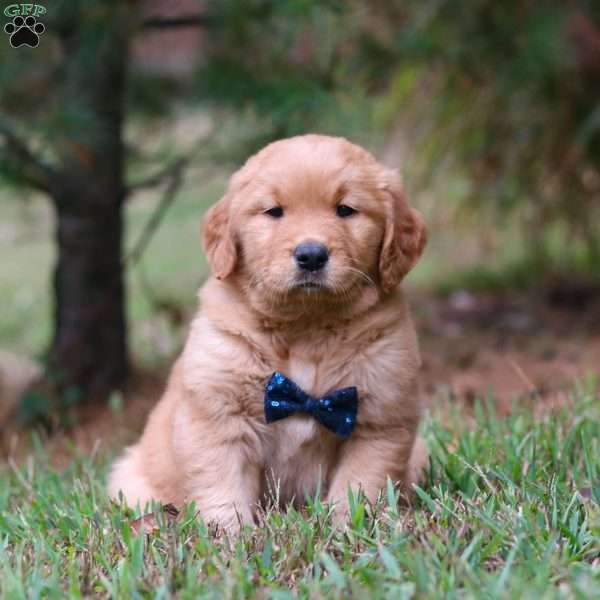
(122, 125)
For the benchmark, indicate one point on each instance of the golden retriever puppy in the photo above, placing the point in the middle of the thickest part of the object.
(307, 249)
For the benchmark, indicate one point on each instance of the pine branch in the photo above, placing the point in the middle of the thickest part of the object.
(158, 178)
(175, 175)
(202, 20)
(178, 22)
(22, 161)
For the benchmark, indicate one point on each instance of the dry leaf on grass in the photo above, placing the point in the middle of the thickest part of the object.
(588, 493)
(150, 523)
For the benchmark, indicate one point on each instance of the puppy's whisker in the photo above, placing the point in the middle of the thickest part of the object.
(361, 274)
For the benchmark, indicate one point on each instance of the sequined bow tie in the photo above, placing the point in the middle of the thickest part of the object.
(336, 411)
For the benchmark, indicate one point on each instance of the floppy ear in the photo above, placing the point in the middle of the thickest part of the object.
(404, 238)
(217, 236)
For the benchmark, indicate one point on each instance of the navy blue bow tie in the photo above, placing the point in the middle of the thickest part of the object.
(336, 411)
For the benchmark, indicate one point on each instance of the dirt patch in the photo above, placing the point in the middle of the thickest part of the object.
(509, 346)
(108, 426)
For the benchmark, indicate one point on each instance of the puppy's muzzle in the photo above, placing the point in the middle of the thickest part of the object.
(311, 256)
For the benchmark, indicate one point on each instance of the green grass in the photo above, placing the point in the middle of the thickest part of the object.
(26, 258)
(510, 509)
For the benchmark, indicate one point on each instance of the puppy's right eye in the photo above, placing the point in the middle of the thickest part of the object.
(276, 212)
(343, 210)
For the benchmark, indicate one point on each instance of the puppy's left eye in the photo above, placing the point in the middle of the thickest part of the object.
(276, 212)
(343, 210)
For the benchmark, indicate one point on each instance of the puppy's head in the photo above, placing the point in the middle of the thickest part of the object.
(313, 218)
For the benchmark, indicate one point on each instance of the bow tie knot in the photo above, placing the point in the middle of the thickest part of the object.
(335, 411)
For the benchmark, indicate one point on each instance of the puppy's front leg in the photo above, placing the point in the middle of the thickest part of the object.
(365, 464)
(223, 461)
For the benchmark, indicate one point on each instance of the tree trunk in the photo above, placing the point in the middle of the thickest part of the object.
(88, 353)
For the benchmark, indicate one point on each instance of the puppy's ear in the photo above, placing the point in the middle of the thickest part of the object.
(404, 238)
(218, 240)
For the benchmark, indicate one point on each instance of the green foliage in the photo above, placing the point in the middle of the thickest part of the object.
(510, 509)
(289, 64)
(502, 93)
(510, 95)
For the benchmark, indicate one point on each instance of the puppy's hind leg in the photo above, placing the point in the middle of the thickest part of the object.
(127, 478)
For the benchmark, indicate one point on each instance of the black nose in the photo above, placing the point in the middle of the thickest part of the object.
(311, 256)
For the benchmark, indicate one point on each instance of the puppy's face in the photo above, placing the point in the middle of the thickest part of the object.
(313, 218)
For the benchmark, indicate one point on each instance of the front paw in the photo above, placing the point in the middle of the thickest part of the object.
(353, 508)
(417, 466)
(340, 512)
(229, 521)
(340, 518)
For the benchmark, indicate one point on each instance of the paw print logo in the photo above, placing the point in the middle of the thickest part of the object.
(24, 32)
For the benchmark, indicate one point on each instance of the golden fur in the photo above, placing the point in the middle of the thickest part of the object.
(207, 439)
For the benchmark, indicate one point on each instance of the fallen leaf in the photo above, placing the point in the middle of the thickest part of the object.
(150, 523)
(590, 493)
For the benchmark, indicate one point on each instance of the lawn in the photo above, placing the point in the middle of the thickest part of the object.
(510, 509)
